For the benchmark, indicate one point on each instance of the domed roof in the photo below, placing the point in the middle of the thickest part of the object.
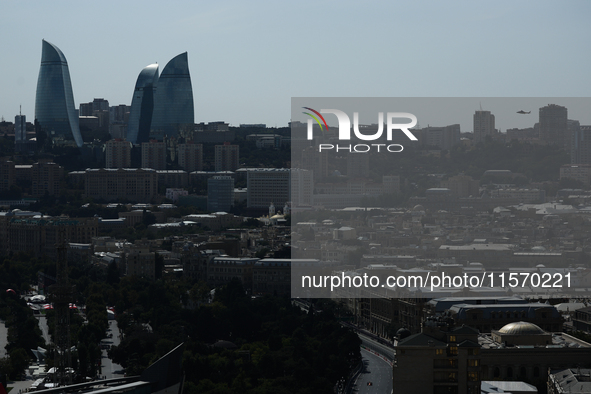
(521, 328)
(403, 333)
(418, 208)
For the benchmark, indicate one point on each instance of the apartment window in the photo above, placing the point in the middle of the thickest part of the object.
(439, 352)
(473, 363)
(452, 338)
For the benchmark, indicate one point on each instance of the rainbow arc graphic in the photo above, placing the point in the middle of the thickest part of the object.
(316, 117)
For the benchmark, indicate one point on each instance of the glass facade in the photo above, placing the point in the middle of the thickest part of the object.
(173, 101)
(54, 102)
(142, 105)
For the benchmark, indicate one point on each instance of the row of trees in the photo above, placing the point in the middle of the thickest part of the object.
(267, 345)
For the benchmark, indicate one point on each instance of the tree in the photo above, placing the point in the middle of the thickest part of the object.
(19, 361)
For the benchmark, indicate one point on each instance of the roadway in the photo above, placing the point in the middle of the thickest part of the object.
(109, 369)
(42, 321)
(3, 339)
(376, 371)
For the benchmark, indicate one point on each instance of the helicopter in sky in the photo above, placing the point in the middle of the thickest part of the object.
(522, 112)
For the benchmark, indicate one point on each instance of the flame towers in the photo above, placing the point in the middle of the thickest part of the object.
(142, 105)
(54, 103)
(173, 101)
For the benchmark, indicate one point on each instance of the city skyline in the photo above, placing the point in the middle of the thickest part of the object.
(259, 56)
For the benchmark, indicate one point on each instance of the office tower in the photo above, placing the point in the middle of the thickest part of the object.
(173, 100)
(220, 193)
(227, 157)
(553, 125)
(142, 105)
(118, 154)
(581, 145)
(484, 124)
(54, 102)
(154, 155)
(20, 133)
(20, 128)
(190, 156)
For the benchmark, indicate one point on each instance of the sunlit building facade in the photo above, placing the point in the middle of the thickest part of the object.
(54, 103)
(173, 101)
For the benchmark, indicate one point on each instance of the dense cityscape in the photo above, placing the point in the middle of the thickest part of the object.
(144, 252)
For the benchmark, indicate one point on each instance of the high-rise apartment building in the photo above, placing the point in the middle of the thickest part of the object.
(46, 178)
(142, 105)
(154, 155)
(54, 102)
(117, 154)
(7, 175)
(227, 157)
(484, 125)
(20, 133)
(220, 193)
(554, 125)
(190, 156)
(20, 128)
(173, 100)
(581, 145)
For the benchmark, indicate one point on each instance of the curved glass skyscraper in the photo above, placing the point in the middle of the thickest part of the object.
(54, 103)
(142, 105)
(173, 101)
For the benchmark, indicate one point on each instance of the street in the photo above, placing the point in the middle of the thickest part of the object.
(108, 368)
(375, 370)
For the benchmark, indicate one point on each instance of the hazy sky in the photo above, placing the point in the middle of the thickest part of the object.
(247, 59)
